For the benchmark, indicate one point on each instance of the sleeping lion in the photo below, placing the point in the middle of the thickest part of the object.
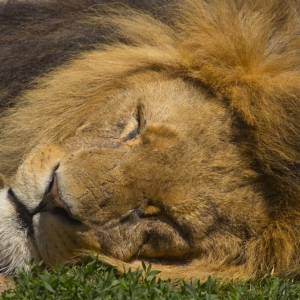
(158, 131)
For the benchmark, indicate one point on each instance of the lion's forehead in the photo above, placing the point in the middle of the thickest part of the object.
(187, 109)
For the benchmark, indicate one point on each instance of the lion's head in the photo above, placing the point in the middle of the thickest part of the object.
(177, 143)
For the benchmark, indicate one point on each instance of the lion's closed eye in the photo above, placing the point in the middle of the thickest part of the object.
(131, 129)
(134, 126)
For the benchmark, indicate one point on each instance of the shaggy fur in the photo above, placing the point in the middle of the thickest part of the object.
(168, 133)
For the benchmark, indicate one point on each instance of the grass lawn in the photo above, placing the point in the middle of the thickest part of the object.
(95, 281)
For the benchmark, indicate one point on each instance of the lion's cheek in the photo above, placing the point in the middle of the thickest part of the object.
(59, 241)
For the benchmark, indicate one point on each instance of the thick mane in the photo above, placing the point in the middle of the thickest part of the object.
(249, 52)
(245, 52)
(37, 36)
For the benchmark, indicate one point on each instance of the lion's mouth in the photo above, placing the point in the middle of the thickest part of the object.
(51, 202)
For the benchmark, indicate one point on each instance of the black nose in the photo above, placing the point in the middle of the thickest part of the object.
(52, 200)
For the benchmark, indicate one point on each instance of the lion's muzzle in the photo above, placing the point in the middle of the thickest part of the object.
(52, 200)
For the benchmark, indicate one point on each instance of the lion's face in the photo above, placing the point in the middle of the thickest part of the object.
(152, 172)
(168, 134)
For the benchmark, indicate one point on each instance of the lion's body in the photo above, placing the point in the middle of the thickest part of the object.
(173, 139)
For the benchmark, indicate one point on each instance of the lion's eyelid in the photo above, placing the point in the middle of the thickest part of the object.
(135, 124)
(140, 117)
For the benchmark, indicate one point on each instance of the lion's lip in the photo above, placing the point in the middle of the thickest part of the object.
(24, 214)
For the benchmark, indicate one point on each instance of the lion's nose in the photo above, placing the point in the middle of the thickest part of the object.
(52, 200)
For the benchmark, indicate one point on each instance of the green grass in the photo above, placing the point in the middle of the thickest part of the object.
(95, 281)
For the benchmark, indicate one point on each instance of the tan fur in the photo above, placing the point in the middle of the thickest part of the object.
(210, 184)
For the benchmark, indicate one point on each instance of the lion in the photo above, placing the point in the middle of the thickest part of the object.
(166, 132)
